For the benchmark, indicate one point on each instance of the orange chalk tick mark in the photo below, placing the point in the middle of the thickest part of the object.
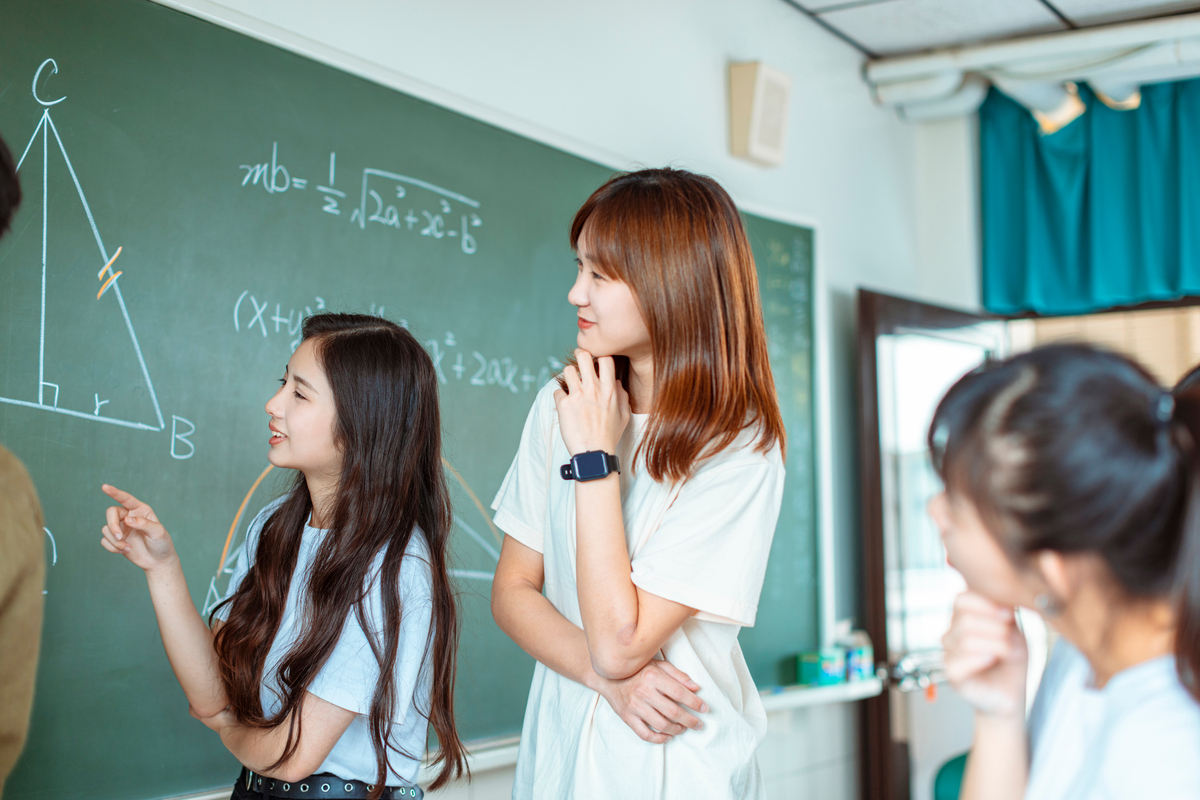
(111, 278)
(100, 274)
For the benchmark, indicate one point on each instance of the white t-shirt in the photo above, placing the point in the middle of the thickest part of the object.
(703, 543)
(349, 676)
(1137, 738)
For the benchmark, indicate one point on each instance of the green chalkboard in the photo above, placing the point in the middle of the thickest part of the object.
(787, 609)
(234, 188)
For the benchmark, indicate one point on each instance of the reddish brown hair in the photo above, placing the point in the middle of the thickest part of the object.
(677, 240)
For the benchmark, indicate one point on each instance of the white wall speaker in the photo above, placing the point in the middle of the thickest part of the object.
(758, 112)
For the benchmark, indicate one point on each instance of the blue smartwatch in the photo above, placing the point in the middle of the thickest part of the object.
(590, 466)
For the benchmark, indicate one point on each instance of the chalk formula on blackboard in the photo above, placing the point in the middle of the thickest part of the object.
(438, 220)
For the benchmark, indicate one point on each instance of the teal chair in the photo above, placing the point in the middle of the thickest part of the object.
(949, 778)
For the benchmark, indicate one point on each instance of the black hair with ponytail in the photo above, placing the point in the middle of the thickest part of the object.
(1187, 572)
(1075, 449)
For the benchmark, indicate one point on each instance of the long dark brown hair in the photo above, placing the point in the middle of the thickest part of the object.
(1074, 449)
(677, 240)
(392, 485)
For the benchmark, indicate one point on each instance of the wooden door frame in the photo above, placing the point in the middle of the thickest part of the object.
(882, 775)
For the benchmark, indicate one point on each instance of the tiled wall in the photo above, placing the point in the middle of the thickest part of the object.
(809, 754)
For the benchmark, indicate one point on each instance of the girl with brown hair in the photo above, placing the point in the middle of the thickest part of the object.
(334, 649)
(642, 500)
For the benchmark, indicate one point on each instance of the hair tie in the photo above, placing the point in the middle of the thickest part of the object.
(1166, 407)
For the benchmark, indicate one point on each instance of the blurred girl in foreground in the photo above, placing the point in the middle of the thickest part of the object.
(1073, 487)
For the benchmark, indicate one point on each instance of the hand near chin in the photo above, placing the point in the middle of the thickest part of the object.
(594, 411)
(986, 656)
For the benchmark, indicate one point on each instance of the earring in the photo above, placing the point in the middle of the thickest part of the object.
(1045, 605)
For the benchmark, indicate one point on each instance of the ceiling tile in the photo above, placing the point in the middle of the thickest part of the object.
(904, 26)
(1098, 12)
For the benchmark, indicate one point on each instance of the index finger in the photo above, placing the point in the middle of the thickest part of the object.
(587, 367)
(676, 673)
(124, 498)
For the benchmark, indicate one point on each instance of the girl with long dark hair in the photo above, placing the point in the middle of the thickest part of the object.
(642, 500)
(334, 650)
(1072, 486)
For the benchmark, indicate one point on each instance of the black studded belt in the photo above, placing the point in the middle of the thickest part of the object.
(322, 787)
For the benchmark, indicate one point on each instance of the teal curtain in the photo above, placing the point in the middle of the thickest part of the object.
(1103, 213)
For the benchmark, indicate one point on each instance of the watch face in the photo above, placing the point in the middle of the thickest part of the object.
(589, 466)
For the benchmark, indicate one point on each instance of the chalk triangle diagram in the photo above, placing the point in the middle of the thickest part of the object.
(73, 349)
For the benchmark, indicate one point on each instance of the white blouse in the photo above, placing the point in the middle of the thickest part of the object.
(703, 543)
(1137, 738)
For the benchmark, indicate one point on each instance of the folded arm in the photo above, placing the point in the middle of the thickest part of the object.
(625, 626)
(653, 700)
(322, 724)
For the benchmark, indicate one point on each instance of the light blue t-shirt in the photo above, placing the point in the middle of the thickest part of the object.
(349, 677)
(1138, 738)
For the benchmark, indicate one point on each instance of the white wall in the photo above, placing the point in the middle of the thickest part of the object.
(948, 210)
(644, 81)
